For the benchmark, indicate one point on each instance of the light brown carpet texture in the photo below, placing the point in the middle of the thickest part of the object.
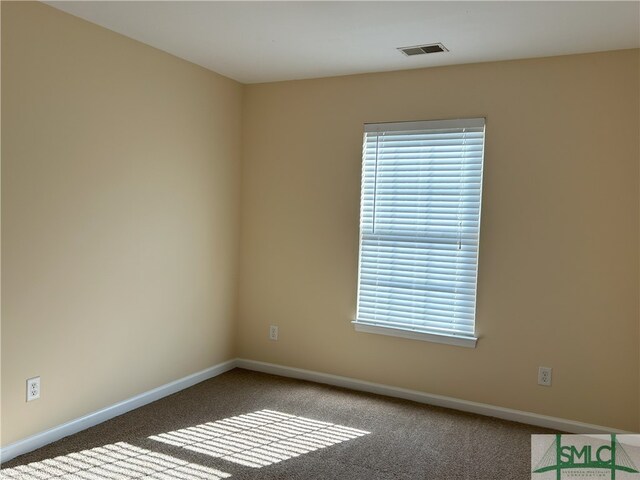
(248, 425)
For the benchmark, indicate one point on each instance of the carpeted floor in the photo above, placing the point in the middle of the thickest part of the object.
(248, 425)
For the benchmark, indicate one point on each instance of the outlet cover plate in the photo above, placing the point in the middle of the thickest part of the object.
(544, 376)
(33, 388)
(273, 332)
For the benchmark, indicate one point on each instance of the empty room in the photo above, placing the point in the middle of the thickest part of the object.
(320, 240)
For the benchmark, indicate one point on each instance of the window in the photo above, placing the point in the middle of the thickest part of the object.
(419, 229)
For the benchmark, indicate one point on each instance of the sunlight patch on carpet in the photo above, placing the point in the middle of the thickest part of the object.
(119, 461)
(260, 438)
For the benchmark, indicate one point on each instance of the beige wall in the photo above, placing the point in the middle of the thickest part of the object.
(558, 268)
(120, 184)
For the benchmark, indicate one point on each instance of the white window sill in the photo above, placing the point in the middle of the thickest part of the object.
(426, 337)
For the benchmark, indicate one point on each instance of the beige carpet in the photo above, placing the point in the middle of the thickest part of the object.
(247, 425)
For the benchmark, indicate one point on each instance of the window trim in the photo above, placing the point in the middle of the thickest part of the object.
(366, 326)
(469, 342)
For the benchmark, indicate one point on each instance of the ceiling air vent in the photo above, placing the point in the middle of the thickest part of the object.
(423, 49)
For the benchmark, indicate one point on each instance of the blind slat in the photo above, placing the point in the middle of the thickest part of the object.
(398, 292)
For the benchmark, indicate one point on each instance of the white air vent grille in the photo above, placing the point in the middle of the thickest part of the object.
(423, 49)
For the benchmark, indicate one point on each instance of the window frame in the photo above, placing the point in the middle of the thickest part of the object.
(398, 331)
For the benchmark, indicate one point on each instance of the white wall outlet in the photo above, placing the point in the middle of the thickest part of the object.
(273, 332)
(33, 388)
(544, 376)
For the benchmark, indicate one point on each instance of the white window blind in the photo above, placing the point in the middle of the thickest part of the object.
(419, 228)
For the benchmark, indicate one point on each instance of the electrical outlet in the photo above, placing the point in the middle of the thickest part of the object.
(33, 388)
(544, 376)
(273, 332)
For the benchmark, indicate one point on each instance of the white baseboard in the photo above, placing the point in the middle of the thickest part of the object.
(43, 438)
(56, 433)
(520, 416)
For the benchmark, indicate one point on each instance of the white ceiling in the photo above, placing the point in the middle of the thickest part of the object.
(267, 41)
